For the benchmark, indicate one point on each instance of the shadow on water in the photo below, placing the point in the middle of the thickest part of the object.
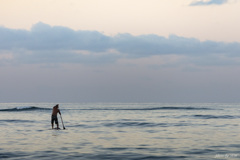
(5, 155)
(215, 116)
(41, 155)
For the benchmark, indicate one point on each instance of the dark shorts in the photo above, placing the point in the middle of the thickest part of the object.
(54, 118)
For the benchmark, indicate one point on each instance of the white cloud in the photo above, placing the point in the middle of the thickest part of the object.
(45, 44)
(208, 2)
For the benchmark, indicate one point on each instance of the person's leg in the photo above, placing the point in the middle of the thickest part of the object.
(57, 123)
(52, 121)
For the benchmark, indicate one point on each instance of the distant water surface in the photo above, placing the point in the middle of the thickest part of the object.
(121, 131)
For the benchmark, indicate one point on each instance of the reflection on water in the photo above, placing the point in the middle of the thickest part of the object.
(114, 131)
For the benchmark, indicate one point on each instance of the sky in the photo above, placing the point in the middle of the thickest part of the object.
(169, 51)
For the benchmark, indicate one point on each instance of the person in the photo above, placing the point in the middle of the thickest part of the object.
(55, 111)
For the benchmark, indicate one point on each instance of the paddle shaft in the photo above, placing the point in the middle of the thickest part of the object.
(62, 121)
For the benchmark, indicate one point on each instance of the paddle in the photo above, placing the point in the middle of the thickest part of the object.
(62, 121)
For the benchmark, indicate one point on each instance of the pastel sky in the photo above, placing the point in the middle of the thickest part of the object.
(119, 51)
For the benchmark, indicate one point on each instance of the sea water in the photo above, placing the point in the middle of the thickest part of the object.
(120, 131)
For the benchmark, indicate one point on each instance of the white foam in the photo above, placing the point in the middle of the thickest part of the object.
(23, 107)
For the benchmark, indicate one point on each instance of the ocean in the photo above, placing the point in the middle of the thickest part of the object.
(120, 131)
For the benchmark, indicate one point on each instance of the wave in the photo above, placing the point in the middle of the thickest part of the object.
(154, 108)
(16, 121)
(215, 116)
(144, 124)
(24, 108)
(33, 108)
(131, 124)
(180, 108)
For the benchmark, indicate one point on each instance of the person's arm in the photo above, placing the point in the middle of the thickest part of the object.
(59, 112)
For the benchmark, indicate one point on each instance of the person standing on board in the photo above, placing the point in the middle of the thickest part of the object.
(55, 111)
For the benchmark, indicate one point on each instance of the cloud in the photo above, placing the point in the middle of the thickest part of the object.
(209, 2)
(45, 44)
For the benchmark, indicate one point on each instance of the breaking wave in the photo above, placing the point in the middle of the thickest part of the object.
(33, 108)
(152, 108)
(24, 108)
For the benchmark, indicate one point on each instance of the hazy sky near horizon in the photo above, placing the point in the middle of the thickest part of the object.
(119, 51)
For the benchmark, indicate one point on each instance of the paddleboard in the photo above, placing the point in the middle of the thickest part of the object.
(57, 128)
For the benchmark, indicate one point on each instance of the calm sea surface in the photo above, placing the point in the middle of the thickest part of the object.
(121, 131)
